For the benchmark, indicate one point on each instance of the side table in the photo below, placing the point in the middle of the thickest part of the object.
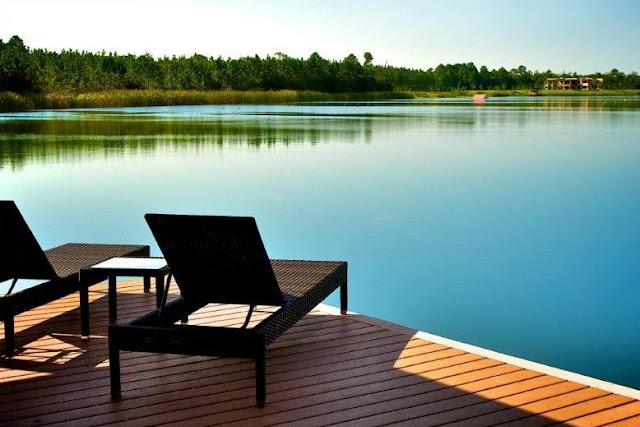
(114, 267)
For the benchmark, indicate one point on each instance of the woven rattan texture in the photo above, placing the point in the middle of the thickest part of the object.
(305, 284)
(70, 258)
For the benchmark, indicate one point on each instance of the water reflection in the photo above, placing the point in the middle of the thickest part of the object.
(78, 135)
(512, 226)
(608, 103)
(24, 141)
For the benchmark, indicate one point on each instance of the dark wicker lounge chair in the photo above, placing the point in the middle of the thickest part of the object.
(223, 260)
(22, 258)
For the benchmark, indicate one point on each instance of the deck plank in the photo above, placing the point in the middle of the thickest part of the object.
(607, 416)
(328, 369)
(528, 409)
(633, 421)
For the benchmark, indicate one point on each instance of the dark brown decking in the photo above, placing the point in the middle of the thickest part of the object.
(328, 369)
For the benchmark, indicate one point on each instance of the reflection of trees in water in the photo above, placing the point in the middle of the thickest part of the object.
(82, 137)
(27, 141)
(591, 104)
(56, 140)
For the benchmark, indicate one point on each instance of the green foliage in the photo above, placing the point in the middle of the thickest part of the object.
(153, 97)
(460, 77)
(15, 72)
(368, 58)
(23, 70)
(60, 78)
(10, 101)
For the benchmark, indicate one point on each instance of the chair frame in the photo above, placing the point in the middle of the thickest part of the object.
(160, 332)
(59, 266)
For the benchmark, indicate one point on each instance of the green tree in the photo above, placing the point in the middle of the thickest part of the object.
(368, 58)
(15, 73)
(22, 70)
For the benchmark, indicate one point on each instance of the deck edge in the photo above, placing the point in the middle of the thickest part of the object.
(502, 357)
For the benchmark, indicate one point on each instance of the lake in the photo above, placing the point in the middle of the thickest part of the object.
(512, 225)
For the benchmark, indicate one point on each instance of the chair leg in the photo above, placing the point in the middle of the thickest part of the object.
(9, 336)
(343, 298)
(147, 284)
(84, 310)
(114, 371)
(261, 375)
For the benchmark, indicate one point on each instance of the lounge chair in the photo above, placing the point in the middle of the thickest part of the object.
(22, 258)
(223, 260)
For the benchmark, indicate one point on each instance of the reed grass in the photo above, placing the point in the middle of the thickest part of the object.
(143, 98)
(12, 102)
(470, 93)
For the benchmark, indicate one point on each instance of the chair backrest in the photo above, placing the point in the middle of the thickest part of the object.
(217, 259)
(20, 254)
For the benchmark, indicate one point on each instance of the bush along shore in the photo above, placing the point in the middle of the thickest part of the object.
(14, 102)
(39, 78)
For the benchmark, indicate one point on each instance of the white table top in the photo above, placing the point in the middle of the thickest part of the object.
(132, 263)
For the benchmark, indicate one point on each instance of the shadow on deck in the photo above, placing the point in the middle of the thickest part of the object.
(326, 370)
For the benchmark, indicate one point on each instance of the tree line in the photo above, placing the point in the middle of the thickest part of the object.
(41, 71)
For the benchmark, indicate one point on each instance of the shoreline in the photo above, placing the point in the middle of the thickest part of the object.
(13, 102)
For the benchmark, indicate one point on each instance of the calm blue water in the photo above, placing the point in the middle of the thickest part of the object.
(513, 226)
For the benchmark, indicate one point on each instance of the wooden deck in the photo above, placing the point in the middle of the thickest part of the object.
(327, 370)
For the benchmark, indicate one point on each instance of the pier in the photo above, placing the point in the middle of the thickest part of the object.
(327, 370)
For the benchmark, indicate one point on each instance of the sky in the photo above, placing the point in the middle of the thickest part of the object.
(561, 35)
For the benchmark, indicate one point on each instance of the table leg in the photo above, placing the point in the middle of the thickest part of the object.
(147, 284)
(113, 308)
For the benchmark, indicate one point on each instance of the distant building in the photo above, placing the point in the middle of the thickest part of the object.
(574, 83)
